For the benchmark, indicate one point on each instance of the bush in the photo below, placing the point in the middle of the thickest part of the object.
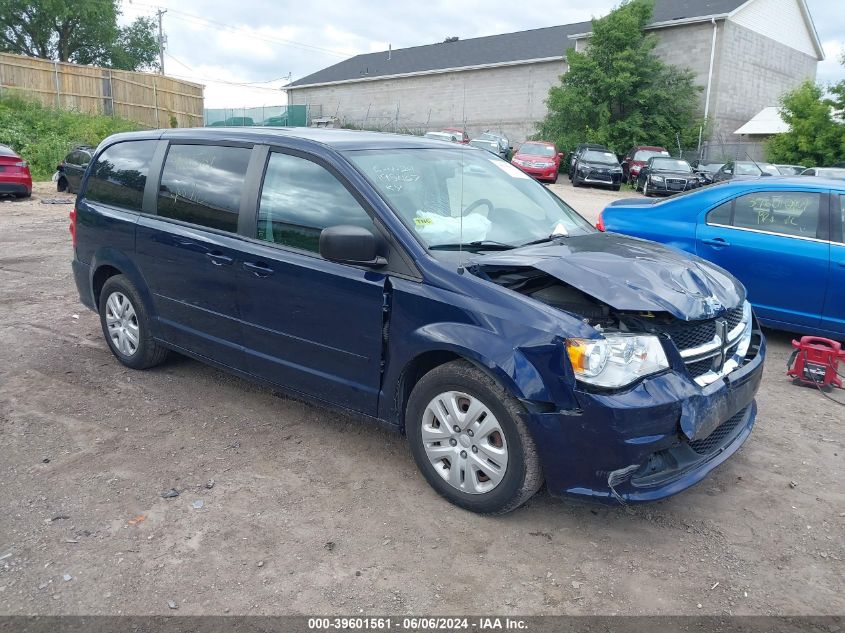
(43, 136)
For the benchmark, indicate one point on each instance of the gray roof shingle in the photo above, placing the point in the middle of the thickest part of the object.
(494, 49)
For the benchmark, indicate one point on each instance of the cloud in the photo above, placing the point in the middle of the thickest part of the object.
(261, 40)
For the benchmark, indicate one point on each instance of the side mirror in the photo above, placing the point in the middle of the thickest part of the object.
(349, 244)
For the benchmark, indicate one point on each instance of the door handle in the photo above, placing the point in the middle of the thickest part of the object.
(218, 259)
(259, 270)
(716, 241)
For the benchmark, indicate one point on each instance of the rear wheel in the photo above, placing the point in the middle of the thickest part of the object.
(126, 325)
(469, 441)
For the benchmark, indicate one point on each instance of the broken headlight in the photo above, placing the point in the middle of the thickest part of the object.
(615, 360)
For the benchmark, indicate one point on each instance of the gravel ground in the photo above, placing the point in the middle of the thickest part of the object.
(310, 512)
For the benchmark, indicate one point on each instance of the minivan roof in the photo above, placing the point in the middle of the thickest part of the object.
(336, 138)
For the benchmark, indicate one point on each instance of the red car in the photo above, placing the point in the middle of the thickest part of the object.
(15, 178)
(636, 159)
(463, 137)
(539, 159)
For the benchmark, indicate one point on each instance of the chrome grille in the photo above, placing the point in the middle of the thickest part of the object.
(707, 362)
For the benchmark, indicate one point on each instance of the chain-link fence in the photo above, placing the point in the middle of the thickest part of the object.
(291, 115)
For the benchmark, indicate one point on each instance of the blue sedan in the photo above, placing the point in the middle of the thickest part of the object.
(782, 237)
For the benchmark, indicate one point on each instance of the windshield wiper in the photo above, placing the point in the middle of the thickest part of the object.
(543, 240)
(479, 244)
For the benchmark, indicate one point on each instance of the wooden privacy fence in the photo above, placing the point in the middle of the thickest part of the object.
(148, 99)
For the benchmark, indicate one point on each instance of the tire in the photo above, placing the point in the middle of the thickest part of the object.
(505, 438)
(554, 180)
(62, 185)
(575, 182)
(134, 320)
(645, 189)
(25, 194)
(616, 187)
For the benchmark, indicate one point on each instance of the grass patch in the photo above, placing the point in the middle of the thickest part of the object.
(43, 136)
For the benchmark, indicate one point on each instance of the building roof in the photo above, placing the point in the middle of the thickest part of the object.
(767, 121)
(548, 43)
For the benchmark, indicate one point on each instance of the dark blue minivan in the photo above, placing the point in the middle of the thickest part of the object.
(431, 287)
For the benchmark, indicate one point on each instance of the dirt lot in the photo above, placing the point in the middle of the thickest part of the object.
(314, 513)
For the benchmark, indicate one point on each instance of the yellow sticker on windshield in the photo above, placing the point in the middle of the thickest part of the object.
(423, 221)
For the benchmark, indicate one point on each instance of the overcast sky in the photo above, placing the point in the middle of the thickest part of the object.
(223, 44)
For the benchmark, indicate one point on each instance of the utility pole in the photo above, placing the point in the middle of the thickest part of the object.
(161, 40)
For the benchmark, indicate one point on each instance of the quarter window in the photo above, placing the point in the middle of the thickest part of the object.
(120, 174)
(721, 214)
(301, 198)
(793, 213)
(202, 184)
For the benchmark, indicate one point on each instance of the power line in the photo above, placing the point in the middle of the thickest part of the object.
(218, 81)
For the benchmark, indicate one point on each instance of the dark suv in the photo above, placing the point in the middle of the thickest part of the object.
(70, 171)
(434, 288)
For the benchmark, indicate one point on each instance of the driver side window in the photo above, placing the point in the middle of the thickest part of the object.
(301, 198)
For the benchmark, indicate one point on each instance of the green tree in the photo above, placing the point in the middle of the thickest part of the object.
(79, 31)
(814, 138)
(618, 93)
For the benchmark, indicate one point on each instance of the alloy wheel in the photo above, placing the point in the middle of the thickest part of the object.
(464, 442)
(122, 323)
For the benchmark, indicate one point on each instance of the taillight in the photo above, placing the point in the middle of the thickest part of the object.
(72, 227)
(600, 223)
(22, 164)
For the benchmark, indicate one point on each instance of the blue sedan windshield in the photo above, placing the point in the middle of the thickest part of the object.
(456, 196)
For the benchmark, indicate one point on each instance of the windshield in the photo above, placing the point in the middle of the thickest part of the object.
(829, 172)
(710, 167)
(536, 149)
(670, 164)
(645, 154)
(442, 136)
(453, 196)
(749, 169)
(594, 156)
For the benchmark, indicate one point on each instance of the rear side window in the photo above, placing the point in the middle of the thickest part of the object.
(793, 213)
(301, 198)
(202, 184)
(120, 174)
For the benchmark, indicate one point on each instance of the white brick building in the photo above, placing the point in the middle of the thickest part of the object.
(744, 53)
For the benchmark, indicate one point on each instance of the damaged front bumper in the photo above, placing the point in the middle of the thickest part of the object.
(652, 441)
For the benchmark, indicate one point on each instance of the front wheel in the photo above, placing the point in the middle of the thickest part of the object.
(468, 439)
(645, 189)
(126, 325)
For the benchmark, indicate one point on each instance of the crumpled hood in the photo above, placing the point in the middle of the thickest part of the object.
(631, 274)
